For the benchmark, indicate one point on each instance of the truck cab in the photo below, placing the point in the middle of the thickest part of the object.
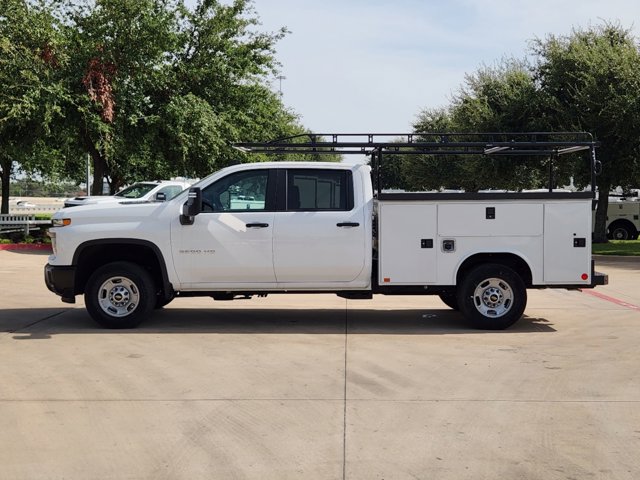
(309, 224)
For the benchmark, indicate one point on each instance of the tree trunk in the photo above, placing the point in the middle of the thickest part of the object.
(99, 164)
(5, 175)
(600, 228)
(117, 182)
(99, 172)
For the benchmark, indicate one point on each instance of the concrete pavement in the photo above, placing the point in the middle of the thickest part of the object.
(319, 387)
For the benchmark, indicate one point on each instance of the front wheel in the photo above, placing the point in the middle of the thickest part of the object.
(120, 295)
(161, 301)
(492, 297)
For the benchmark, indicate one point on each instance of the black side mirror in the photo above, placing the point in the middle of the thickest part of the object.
(194, 203)
(193, 206)
(161, 197)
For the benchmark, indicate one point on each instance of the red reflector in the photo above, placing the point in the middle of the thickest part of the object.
(584, 276)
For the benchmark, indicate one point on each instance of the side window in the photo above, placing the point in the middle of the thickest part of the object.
(170, 191)
(240, 191)
(311, 189)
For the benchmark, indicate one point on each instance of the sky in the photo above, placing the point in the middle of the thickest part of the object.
(373, 65)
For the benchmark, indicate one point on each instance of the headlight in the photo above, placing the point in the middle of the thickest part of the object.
(61, 222)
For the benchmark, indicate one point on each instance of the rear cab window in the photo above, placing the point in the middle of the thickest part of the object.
(319, 190)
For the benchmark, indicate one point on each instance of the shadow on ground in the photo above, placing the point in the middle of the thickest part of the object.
(259, 321)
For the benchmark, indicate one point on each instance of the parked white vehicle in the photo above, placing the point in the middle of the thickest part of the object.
(139, 192)
(623, 218)
(307, 227)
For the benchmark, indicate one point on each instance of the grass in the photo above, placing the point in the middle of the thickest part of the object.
(618, 247)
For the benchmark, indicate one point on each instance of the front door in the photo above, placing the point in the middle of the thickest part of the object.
(230, 242)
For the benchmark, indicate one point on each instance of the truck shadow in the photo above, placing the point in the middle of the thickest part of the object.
(260, 321)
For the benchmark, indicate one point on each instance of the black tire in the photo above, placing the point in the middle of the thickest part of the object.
(492, 297)
(161, 301)
(120, 295)
(622, 231)
(450, 300)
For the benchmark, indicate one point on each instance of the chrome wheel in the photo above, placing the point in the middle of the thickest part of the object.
(118, 296)
(493, 297)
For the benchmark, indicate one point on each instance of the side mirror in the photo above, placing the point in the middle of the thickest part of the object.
(193, 206)
(161, 197)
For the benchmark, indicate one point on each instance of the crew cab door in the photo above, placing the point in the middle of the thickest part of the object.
(230, 242)
(319, 232)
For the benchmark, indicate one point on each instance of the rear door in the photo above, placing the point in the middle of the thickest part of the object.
(567, 242)
(319, 229)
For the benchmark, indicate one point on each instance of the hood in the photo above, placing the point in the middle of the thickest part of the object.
(108, 212)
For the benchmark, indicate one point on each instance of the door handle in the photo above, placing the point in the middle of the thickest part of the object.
(257, 225)
(348, 224)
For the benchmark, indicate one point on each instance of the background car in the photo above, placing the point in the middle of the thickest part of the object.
(142, 192)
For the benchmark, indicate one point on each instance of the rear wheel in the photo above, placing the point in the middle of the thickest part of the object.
(120, 295)
(622, 231)
(492, 297)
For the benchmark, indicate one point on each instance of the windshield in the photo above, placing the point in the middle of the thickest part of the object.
(137, 190)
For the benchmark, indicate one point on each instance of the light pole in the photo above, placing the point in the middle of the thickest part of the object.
(280, 78)
(88, 174)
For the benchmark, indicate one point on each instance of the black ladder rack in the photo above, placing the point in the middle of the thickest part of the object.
(531, 144)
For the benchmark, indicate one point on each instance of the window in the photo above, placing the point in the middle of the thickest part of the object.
(171, 191)
(136, 190)
(310, 189)
(237, 192)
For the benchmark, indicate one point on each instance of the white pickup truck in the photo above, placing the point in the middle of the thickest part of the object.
(310, 227)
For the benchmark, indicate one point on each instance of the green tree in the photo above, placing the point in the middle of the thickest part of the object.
(591, 80)
(426, 172)
(161, 89)
(118, 49)
(31, 90)
(503, 98)
(585, 81)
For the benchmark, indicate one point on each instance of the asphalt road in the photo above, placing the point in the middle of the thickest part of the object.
(317, 387)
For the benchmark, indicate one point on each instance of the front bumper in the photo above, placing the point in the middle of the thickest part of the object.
(61, 281)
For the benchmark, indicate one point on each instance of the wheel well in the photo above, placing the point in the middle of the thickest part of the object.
(510, 260)
(92, 257)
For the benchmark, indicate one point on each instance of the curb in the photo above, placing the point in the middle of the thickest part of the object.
(26, 246)
(617, 258)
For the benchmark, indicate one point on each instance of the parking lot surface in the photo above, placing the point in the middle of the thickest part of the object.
(318, 387)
